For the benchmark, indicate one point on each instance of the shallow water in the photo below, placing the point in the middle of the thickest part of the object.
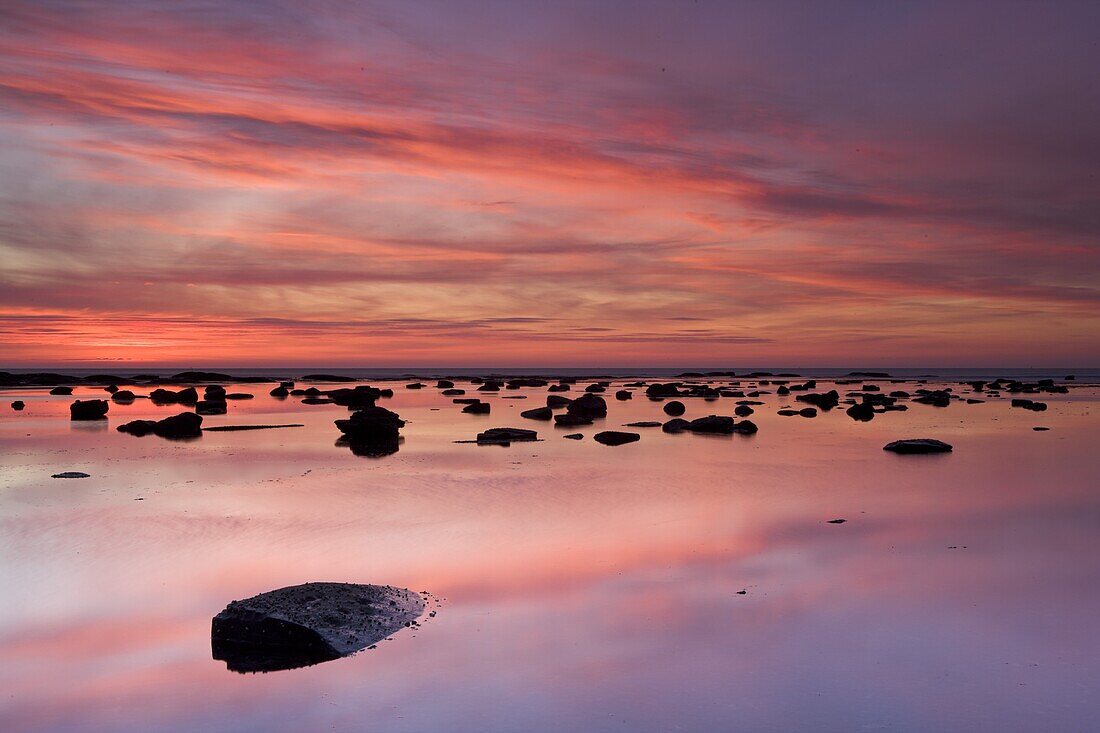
(586, 587)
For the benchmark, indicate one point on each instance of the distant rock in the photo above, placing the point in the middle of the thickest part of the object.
(444, 384)
(918, 445)
(327, 378)
(808, 412)
(371, 424)
(61, 391)
(239, 396)
(588, 405)
(414, 385)
(624, 394)
(17, 405)
(861, 411)
(644, 424)
(188, 396)
(539, 413)
(123, 396)
(715, 424)
(615, 437)
(452, 392)
(177, 427)
(478, 408)
(821, 400)
(307, 624)
(554, 401)
(505, 436)
(279, 392)
(210, 407)
(89, 410)
(574, 436)
(71, 474)
(675, 425)
(1029, 405)
(570, 420)
(743, 411)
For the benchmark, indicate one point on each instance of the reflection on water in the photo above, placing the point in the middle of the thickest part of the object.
(587, 587)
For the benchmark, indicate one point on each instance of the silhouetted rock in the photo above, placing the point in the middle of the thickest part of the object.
(279, 392)
(327, 378)
(71, 474)
(89, 410)
(123, 396)
(588, 405)
(238, 396)
(539, 413)
(188, 396)
(307, 624)
(357, 398)
(821, 400)
(675, 425)
(17, 405)
(918, 445)
(505, 436)
(861, 411)
(674, 408)
(1029, 405)
(317, 401)
(558, 388)
(808, 412)
(743, 411)
(186, 377)
(615, 437)
(371, 424)
(936, 398)
(644, 424)
(574, 436)
(444, 384)
(624, 394)
(553, 401)
(239, 428)
(569, 420)
(478, 408)
(176, 427)
(452, 392)
(61, 391)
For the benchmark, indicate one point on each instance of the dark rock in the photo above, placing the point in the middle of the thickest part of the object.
(1040, 428)
(317, 401)
(357, 398)
(539, 413)
(786, 412)
(743, 410)
(569, 420)
(918, 445)
(936, 398)
(554, 401)
(214, 392)
(808, 412)
(186, 377)
(745, 427)
(188, 396)
(326, 378)
(371, 424)
(477, 408)
(674, 408)
(574, 436)
(593, 388)
(615, 437)
(452, 392)
(124, 396)
(861, 411)
(644, 424)
(836, 521)
(821, 400)
(1029, 405)
(71, 474)
(238, 428)
(177, 427)
(307, 624)
(414, 385)
(558, 388)
(675, 425)
(61, 391)
(588, 405)
(89, 410)
(18, 405)
(239, 396)
(624, 394)
(714, 424)
(444, 384)
(505, 436)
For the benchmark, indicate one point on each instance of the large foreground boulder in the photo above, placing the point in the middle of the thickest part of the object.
(918, 445)
(89, 410)
(310, 623)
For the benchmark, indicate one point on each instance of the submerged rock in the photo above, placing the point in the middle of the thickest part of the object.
(210, 407)
(89, 410)
(308, 624)
(568, 420)
(918, 445)
(615, 437)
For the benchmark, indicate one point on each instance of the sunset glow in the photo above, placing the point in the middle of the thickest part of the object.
(495, 184)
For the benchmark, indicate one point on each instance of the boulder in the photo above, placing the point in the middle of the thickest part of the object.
(539, 413)
(187, 396)
(71, 474)
(310, 623)
(452, 392)
(918, 445)
(715, 424)
(371, 424)
(675, 425)
(210, 407)
(624, 394)
(444, 384)
(821, 400)
(743, 411)
(123, 396)
(674, 408)
(554, 401)
(17, 405)
(615, 437)
(588, 405)
(505, 436)
(478, 408)
(177, 427)
(89, 410)
(569, 420)
(574, 436)
(61, 391)
(861, 411)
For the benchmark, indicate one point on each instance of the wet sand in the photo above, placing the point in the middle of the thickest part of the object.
(682, 581)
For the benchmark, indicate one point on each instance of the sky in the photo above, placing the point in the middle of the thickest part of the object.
(549, 184)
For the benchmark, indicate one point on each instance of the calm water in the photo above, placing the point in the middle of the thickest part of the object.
(587, 588)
